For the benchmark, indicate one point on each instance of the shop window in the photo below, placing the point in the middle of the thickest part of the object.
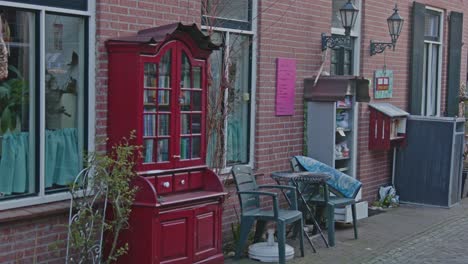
(233, 67)
(42, 106)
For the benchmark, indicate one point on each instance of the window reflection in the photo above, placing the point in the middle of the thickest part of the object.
(64, 84)
(17, 54)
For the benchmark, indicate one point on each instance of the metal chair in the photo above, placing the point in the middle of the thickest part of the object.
(323, 198)
(249, 198)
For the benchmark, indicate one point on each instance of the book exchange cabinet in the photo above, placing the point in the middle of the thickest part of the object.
(158, 88)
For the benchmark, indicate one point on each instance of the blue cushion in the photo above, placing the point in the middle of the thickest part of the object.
(339, 182)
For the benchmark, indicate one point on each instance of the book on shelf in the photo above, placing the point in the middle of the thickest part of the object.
(185, 83)
(163, 150)
(185, 148)
(185, 124)
(163, 124)
(164, 81)
(149, 125)
(196, 77)
(163, 97)
(148, 150)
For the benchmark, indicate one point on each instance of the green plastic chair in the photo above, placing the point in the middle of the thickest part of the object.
(323, 198)
(249, 198)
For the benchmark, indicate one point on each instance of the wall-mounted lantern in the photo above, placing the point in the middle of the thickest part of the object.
(395, 24)
(348, 14)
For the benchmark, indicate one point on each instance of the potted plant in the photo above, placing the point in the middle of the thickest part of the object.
(13, 99)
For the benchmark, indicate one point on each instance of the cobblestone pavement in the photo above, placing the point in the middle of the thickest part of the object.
(408, 234)
(446, 243)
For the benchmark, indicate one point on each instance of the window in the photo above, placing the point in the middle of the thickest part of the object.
(233, 66)
(344, 60)
(227, 14)
(43, 102)
(432, 63)
(341, 60)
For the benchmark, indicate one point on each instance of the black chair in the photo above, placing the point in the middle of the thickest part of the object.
(249, 198)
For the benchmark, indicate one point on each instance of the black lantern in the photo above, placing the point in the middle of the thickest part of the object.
(395, 24)
(348, 15)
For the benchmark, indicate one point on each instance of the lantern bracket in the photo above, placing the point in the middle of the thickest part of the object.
(335, 41)
(379, 47)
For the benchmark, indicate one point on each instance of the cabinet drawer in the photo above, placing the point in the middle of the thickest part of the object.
(164, 184)
(181, 182)
(196, 180)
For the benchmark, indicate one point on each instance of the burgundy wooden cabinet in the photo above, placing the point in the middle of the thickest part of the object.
(158, 88)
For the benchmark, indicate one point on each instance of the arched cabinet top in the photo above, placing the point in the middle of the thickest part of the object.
(149, 41)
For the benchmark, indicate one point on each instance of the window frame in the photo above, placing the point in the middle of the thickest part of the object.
(253, 76)
(40, 196)
(431, 43)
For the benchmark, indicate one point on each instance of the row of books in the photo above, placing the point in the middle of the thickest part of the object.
(149, 125)
(164, 81)
(162, 150)
(189, 149)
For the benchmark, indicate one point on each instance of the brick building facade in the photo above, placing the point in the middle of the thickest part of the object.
(279, 29)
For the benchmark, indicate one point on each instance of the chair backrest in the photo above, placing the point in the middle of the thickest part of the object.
(245, 181)
(295, 166)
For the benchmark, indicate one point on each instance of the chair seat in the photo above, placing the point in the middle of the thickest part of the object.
(283, 215)
(341, 201)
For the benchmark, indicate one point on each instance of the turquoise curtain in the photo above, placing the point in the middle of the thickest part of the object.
(62, 156)
(14, 163)
(63, 160)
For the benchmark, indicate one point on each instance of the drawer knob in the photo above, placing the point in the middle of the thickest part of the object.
(166, 184)
(182, 182)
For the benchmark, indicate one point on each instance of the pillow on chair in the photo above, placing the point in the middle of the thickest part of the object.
(339, 182)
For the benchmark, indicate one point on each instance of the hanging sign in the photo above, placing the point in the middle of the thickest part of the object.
(383, 84)
(285, 84)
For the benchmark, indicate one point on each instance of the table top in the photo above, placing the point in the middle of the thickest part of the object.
(304, 176)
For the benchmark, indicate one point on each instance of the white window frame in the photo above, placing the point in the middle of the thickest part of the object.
(41, 197)
(253, 85)
(439, 66)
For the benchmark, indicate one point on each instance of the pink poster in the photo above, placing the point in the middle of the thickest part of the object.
(285, 86)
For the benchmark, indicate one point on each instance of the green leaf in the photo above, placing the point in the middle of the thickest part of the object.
(4, 92)
(15, 70)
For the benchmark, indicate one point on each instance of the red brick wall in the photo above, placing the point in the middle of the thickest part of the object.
(34, 241)
(375, 167)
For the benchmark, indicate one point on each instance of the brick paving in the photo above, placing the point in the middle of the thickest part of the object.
(408, 234)
(445, 243)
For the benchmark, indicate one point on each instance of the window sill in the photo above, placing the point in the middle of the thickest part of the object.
(43, 210)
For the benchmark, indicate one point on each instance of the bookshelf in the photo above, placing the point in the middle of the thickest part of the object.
(158, 88)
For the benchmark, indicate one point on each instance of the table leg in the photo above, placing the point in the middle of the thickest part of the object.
(311, 214)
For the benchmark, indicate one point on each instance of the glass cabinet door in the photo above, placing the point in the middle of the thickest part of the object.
(190, 101)
(157, 110)
(173, 117)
